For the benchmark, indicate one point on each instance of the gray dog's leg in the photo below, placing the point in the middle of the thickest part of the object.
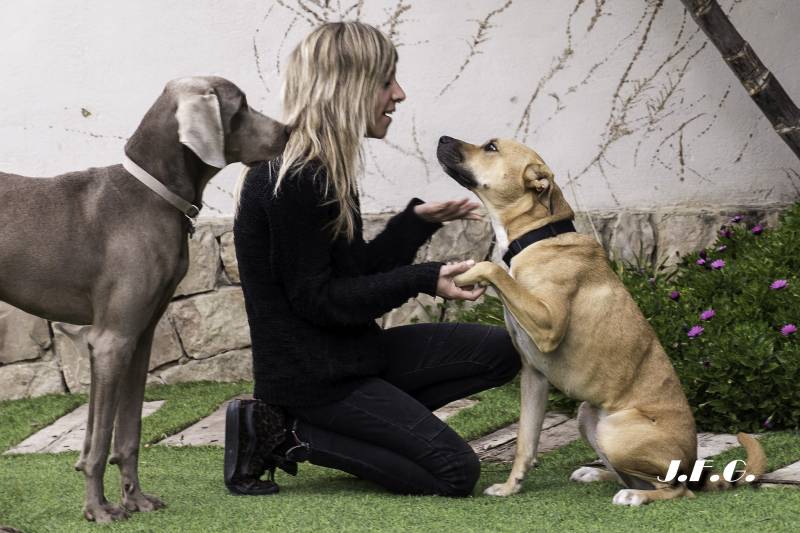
(111, 352)
(87, 437)
(128, 426)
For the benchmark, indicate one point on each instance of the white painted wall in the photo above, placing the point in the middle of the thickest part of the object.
(622, 96)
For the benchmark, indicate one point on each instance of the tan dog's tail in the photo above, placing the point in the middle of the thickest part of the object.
(756, 465)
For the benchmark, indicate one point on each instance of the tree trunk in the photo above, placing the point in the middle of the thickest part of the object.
(761, 85)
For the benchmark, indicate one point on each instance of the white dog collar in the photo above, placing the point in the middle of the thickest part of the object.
(190, 210)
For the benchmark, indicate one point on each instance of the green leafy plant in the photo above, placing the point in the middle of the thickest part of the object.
(727, 319)
(727, 316)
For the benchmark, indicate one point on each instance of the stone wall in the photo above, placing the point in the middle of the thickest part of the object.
(204, 333)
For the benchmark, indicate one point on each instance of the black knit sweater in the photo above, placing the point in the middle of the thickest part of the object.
(312, 300)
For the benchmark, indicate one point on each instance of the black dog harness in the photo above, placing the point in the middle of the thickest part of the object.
(545, 232)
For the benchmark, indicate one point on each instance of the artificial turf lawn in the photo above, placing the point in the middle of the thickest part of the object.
(43, 493)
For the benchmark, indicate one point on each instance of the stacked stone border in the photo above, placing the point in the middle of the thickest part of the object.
(204, 333)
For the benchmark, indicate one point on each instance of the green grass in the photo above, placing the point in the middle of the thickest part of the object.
(42, 493)
(497, 408)
(186, 403)
(20, 418)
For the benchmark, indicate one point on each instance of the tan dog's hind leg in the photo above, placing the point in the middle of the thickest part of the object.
(639, 448)
(533, 392)
(636, 497)
(128, 426)
(588, 417)
(544, 318)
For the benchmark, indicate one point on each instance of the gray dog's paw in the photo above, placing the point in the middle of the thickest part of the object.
(141, 502)
(104, 513)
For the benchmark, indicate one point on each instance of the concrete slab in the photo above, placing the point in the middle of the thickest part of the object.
(66, 434)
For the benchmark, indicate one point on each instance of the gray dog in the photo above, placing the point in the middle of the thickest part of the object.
(107, 247)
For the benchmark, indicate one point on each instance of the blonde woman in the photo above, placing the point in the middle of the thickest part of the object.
(331, 387)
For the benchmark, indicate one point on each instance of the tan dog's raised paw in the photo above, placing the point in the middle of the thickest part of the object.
(479, 275)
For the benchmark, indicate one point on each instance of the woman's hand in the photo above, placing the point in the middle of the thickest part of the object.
(451, 210)
(447, 289)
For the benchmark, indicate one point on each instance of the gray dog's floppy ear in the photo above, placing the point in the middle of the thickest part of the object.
(200, 127)
(539, 177)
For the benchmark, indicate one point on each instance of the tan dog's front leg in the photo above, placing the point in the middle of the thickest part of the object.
(543, 317)
(533, 392)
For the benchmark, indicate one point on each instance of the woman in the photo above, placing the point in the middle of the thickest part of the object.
(356, 398)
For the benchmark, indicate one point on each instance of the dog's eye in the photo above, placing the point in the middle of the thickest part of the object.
(491, 147)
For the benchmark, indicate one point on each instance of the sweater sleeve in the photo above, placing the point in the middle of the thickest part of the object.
(398, 243)
(301, 254)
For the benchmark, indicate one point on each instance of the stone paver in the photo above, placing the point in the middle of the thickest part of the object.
(210, 431)
(66, 433)
(454, 407)
(709, 444)
(557, 430)
(787, 473)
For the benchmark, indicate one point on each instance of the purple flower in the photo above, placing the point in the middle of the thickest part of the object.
(675, 295)
(736, 219)
(703, 254)
(758, 229)
(701, 261)
(708, 314)
(788, 329)
(768, 423)
(722, 248)
(725, 232)
(696, 331)
(717, 264)
(779, 284)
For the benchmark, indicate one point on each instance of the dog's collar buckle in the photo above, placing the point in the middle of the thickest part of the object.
(539, 234)
(190, 210)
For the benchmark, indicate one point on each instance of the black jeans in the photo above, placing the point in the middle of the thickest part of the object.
(384, 430)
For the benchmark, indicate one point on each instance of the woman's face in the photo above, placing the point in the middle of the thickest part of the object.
(389, 95)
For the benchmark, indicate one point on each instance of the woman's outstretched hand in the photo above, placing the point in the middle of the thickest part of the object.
(447, 289)
(451, 210)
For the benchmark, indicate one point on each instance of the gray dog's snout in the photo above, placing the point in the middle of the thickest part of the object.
(444, 139)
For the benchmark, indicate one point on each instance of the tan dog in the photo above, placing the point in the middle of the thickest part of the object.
(577, 327)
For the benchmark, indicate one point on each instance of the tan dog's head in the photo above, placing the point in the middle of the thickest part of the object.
(511, 180)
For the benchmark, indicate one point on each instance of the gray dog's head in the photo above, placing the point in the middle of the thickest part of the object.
(210, 116)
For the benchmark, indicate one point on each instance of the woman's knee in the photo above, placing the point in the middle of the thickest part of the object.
(468, 468)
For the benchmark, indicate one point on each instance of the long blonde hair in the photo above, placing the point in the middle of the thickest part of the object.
(330, 90)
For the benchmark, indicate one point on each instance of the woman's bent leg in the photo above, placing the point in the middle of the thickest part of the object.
(439, 363)
(382, 434)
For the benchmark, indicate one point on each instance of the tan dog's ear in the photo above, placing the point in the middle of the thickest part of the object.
(200, 127)
(539, 177)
